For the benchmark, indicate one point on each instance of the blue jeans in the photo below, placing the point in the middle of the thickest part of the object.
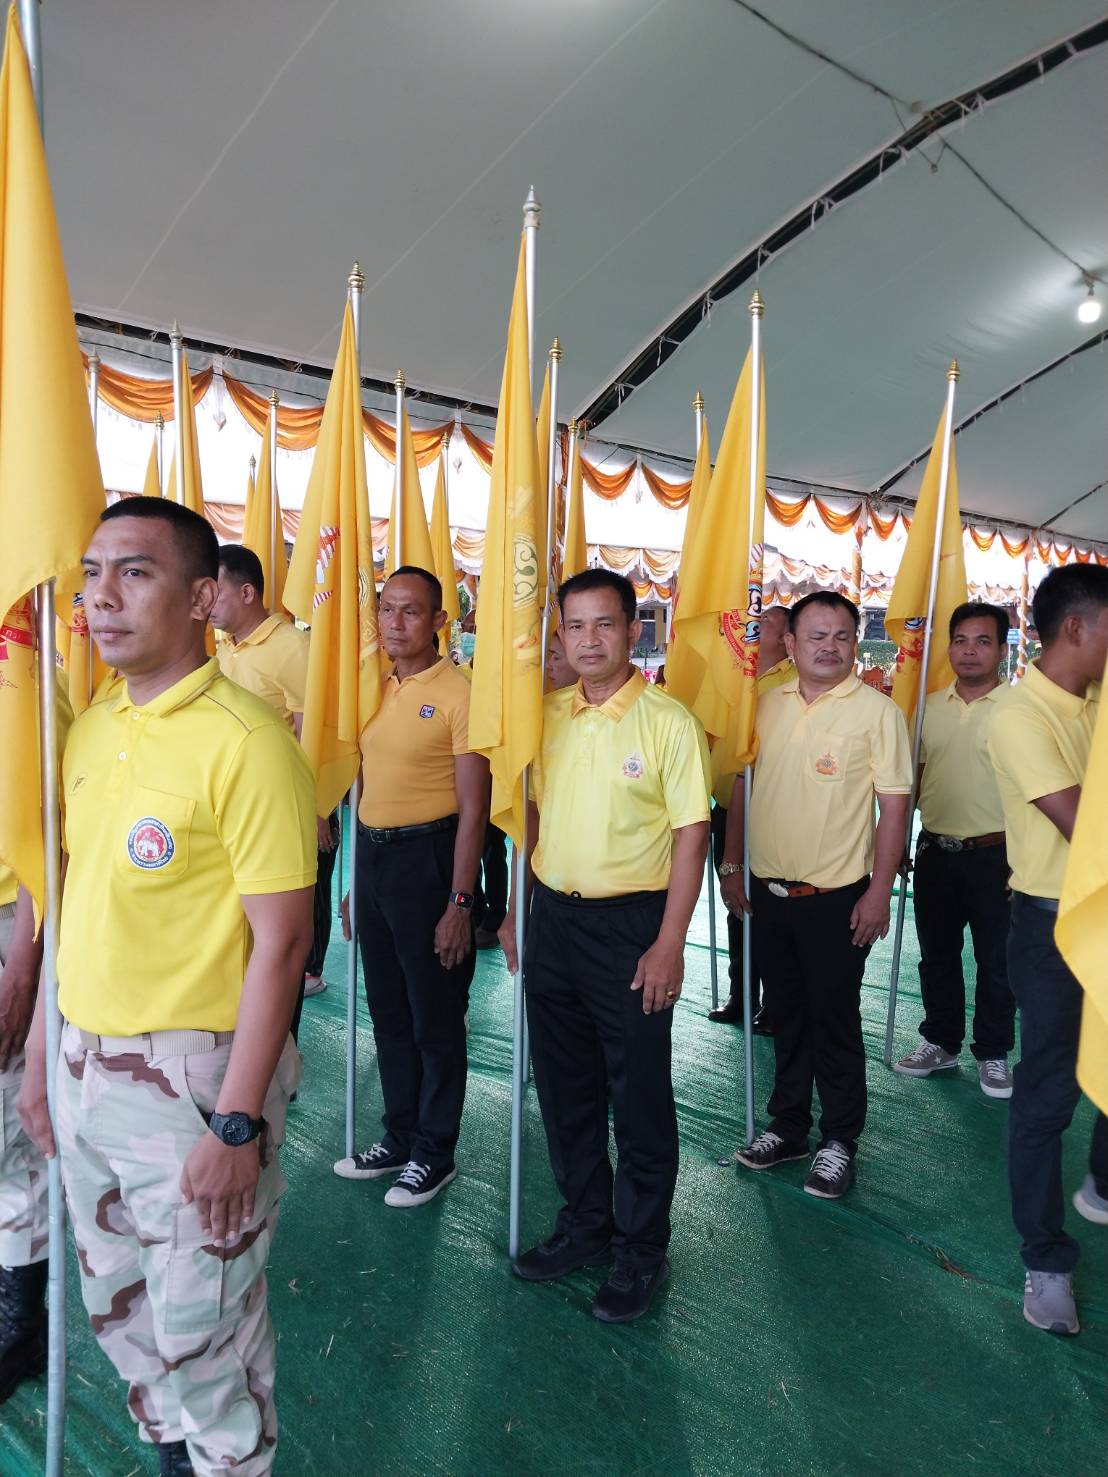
(1045, 1090)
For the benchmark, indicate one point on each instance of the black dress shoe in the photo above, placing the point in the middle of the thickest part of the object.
(173, 1460)
(557, 1256)
(22, 1325)
(730, 1013)
(628, 1292)
(761, 1025)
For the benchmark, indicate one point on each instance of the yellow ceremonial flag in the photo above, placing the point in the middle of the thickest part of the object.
(187, 488)
(262, 528)
(443, 549)
(415, 537)
(331, 587)
(542, 443)
(906, 618)
(718, 615)
(76, 650)
(1081, 932)
(683, 676)
(51, 490)
(152, 485)
(575, 555)
(505, 719)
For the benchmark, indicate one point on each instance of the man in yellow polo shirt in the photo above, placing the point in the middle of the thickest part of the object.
(621, 787)
(421, 827)
(186, 915)
(268, 655)
(821, 880)
(1039, 743)
(961, 870)
(774, 668)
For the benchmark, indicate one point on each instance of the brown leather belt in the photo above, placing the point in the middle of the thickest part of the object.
(965, 843)
(780, 888)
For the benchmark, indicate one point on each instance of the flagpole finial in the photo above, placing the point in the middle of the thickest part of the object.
(556, 349)
(698, 401)
(356, 280)
(94, 360)
(446, 441)
(757, 307)
(954, 373)
(159, 421)
(253, 465)
(274, 399)
(175, 335)
(400, 382)
(572, 427)
(532, 211)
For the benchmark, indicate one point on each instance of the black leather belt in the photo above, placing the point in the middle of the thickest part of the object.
(381, 834)
(965, 843)
(1046, 904)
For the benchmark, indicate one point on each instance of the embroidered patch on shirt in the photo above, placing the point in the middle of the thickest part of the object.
(427, 711)
(633, 767)
(150, 844)
(827, 764)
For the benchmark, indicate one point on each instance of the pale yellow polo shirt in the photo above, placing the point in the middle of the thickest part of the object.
(818, 767)
(723, 777)
(612, 783)
(1039, 743)
(409, 746)
(272, 663)
(173, 810)
(959, 795)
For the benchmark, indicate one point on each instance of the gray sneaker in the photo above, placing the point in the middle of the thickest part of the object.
(995, 1077)
(1048, 1302)
(926, 1058)
(1088, 1203)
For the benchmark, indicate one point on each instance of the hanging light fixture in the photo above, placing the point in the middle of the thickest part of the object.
(1091, 306)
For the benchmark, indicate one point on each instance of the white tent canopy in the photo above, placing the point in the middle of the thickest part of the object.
(224, 164)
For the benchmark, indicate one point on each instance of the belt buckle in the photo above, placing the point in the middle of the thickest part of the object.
(949, 843)
(778, 889)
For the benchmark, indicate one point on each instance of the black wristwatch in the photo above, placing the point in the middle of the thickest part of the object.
(463, 900)
(235, 1129)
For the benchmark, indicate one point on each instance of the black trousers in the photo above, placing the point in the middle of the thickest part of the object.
(490, 904)
(953, 889)
(735, 927)
(590, 1039)
(1044, 1089)
(323, 910)
(417, 1007)
(813, 974)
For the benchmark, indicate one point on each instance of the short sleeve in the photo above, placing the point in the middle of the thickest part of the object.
(293, 675)
(686, 771)
(891, 752)
(1025, 752)
(265, 813)
(459, 719)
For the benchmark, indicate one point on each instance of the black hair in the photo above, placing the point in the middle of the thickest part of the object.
(1072, 589)
(243, 565)
(978, 610)
(600, 579)
(195, 537)
(432, 581)
(831, 598)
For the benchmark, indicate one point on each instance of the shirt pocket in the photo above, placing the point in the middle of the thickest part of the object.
(827, 758)
(154, 834)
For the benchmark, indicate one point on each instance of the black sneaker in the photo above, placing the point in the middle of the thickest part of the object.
(419, 1183)
(371, 1163)
(22, 1325)
(769, 1149)
(628, 1292)
(832, 1172)
(173, 1460)
(556, 1257)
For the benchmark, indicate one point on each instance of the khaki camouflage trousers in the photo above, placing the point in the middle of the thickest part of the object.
(22, 1167)
(184, 1322)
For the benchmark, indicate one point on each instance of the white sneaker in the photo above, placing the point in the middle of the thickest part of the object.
(995, 1077)
(926, 1058)
(418, 1183)
(1088, 1203)
(314, 984)
(1048, 1302)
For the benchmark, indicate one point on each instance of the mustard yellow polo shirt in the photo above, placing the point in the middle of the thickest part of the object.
(818, 767)
(1039, 743)
(272, 663)
(723, 779)
(173, 810)
(612, 783)
(408, 748)
(959, 795)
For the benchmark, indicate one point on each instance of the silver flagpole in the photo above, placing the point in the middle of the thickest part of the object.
(757, 309)
(396, 555)
(709, 861)
(532, 212)
(277, 528)
(51, 845)
(952, 376)
(94, 407)
(551, 486)
(355, 283)
(159, 440)
(176, 343)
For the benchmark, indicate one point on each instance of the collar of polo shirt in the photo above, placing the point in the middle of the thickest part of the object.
(260, 632)
(986, 697)
(1067, 704)
(173, 697)
(840, 689)
(616, 706)
(424, 676)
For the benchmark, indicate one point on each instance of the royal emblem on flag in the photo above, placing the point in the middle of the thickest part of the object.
(328, 543)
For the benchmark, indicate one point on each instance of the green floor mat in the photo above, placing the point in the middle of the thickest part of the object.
(878, 1337)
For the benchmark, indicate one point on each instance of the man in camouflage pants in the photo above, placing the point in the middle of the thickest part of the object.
(186, 918)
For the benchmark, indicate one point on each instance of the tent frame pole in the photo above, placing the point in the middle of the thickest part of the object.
(354, 284)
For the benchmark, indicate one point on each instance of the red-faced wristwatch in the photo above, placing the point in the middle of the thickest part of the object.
(463, 900)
